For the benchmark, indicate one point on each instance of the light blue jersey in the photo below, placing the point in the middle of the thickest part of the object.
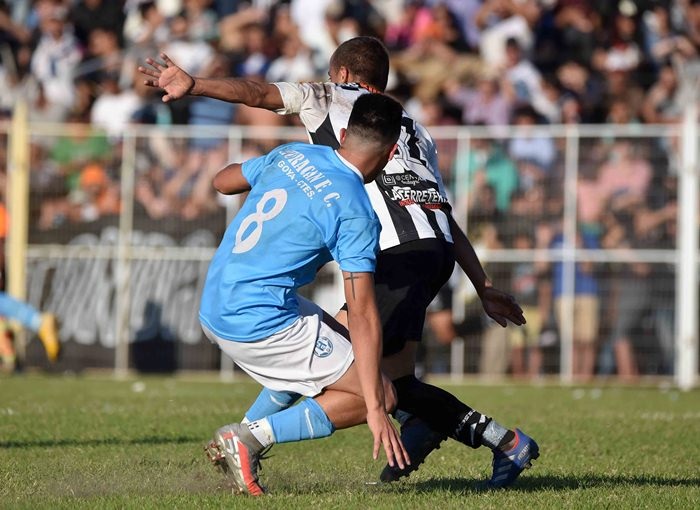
(307, 206)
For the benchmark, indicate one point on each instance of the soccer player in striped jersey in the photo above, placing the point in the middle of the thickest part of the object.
(419, 243)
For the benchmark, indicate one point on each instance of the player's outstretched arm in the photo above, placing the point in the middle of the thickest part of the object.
(230, 180)
(177, 83)
(366, 336)
(500, 306)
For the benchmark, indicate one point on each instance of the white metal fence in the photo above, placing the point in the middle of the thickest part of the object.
(121, 231)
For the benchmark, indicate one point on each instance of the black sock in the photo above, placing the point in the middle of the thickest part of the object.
(442, 411)
(470, 428)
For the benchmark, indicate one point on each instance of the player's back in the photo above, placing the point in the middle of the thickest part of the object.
(409, 195)
(306, 206)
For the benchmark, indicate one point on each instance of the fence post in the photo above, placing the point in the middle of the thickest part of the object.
(568, 260)
(18, 208)
(686, 356)
(123, 262)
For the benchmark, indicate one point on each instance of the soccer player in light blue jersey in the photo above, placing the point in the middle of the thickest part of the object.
(420, 242)
(306, 206)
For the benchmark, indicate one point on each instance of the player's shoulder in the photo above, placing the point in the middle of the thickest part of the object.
(349, 90)
(415, 129)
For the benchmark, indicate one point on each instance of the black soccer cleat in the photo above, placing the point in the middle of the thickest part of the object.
(419, 440)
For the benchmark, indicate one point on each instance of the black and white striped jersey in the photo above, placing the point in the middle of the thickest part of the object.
(409, 196)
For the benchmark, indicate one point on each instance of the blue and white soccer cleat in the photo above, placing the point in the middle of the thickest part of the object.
(419, 440)
(232, 451)
(508, 465)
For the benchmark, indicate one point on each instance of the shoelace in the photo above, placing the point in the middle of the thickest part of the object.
(263, 456)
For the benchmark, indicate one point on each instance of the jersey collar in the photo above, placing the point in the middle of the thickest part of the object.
(350, 166)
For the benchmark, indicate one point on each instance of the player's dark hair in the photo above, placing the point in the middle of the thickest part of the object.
(365, 57)
(377, 118)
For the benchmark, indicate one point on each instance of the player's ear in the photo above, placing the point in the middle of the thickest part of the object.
(343, 134)
(343, 74)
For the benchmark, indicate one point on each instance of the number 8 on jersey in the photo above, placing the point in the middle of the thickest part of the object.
(242, 244)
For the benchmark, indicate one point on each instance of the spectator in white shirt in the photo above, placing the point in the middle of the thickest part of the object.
(55, 59)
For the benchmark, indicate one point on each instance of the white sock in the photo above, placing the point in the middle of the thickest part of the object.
(262, 430)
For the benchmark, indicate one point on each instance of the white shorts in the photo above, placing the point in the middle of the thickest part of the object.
(304, 358)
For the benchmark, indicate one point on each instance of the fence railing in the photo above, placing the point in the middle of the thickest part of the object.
(593, 228)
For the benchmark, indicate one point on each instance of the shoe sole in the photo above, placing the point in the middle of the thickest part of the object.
(235, 455)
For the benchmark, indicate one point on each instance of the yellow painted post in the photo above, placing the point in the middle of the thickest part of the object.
(18, 211)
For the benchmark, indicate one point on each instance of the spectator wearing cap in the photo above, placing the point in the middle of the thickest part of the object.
(96, 196)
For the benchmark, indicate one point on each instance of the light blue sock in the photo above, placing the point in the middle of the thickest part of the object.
(270, 402)
(304, 421)
(22, 312)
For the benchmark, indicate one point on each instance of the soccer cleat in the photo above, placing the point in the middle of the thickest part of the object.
(216, 456)
(233, 453)
(48, 334)
(508, 465)
(419, 440)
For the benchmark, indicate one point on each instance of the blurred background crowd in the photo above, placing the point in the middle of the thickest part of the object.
(454, 62)
(482, 63)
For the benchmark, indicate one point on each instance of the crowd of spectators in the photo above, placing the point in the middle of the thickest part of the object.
(485, 63)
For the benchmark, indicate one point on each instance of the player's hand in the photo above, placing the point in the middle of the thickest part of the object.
(167, 76)
(502, 307)
(386, 434)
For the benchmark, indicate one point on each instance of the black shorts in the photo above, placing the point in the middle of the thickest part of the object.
(443, 300)
(406, 280)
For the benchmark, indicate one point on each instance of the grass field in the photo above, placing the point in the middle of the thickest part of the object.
(94, 442)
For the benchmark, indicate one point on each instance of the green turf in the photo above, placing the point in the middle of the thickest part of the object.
(93, 442)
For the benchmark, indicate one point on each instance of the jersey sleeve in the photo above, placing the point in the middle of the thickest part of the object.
(310, 100)
(357, 244)
(253, 168)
